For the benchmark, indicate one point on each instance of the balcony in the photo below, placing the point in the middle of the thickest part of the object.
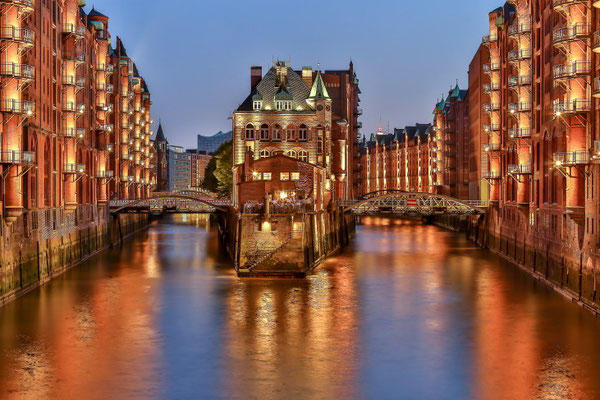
(109, 147)
(69, 106)
(74, 29)
(521, 28)
(74, 169)
(596, 87)
(491, 38)
(70, 80)
(105, 174)
(519, 107)
(518, 81)
(17, 157)
(491, 87)
(19, 71)
(571, 158)
(491, 107)
(76, 56)
(576, 106)
(74, 133)
(22, 36)
(520, 133)
(110, 88)
(519, 55)
(571, 33)
(18, 107)
(492, 147)
(25, 5)
(491, 67)
(558, 5)
(105, 127)
(491, 175)
(491, 128)
(519, 169)
(106, 107)
(572, 70)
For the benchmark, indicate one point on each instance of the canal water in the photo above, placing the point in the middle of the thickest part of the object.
(409, 311)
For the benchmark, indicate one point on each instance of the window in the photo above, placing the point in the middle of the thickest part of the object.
(295, 176)
(291, 153)
(264, 153)
(320, 146)
(264, 132)
(277, 133)
(303, 155)
(291, 133)
(267, 176)
(284, 176)
(303, 133)
(257, 105)
(277, 153)
(249, 132)
(283, 105)
(256, 176)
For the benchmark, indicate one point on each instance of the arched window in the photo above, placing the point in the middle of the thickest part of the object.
(291, 133)
(291, 153)
(303, 155)
(303, 133)
(264, 153)
(264, 133)
(249, 132)
(277, 133)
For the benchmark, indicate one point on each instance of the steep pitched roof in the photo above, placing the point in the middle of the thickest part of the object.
(318, 90)
(95, 13)
(160, 135)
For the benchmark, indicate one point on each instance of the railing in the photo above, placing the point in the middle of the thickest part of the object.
(573, 69)
(109, 147)
(73, 29)
(520, 133)
(571, 158)
(20, 35)
(21, 3)
(491, 87)
(597, 146)
(492, 147)
(520, 28)
(105, 127)
(519, 107)
(523, 80)
(519, 55)
(491, 67)
(596, 90)
(105, 174)
(76, 56)
(80, 108)
(70, 168)
(489, 38)
(491, 175)
(491, 127)
(572, 32)
(73, 133)
(21, 71)
(71, 80)
(477, 203)
(519, 169)
(489, 107)
(566, 3)
(572, 106)
(68, 106)
(20, 107)
(596, 43)
(17, 157)
(110, 88)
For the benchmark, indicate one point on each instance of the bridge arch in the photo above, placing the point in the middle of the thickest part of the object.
(165, 196)
(401, 203)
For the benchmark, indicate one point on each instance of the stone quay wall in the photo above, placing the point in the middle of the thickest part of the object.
(41, 245)
(568, 267)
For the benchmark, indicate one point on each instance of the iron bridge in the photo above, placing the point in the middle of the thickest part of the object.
(171, 203)
(397, 202)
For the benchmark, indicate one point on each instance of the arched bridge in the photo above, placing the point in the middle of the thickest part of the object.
(397, 202)
(164, 203)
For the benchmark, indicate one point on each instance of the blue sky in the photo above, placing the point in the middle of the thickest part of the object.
(196, 55)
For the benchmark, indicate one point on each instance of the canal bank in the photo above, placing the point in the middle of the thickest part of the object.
(569, 267)
(40, 245)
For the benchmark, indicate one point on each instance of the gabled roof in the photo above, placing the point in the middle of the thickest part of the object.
(160, 135)
(95, 13)
(318, 90)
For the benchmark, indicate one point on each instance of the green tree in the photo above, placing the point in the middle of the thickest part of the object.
(218, 176)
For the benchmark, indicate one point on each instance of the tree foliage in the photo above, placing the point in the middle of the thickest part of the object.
(218, 176)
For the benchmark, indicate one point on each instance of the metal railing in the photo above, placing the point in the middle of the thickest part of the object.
(105, 127)
(492, 147)
(571, 32)
(15, 34)
(21, 107)
(105, 174)
(491, 127)
(17, 157)
(71, 168)
(571, 158)
(76, 56)
(572, 106)
(491, 87)
(523, 80)
(566, 3)
(20, 3)
(489, 107)
(491, 67)
(74, 29)
(489, 38)
(571, 70)
(520, 28)
(78, 133)
(491, 175)
(519, 107)
(16, 70)
(519, 169)
(520, 133)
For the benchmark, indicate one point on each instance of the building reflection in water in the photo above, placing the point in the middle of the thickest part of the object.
(408, 311)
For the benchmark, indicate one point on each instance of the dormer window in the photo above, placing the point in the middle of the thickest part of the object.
(257, 105)
(283, 105)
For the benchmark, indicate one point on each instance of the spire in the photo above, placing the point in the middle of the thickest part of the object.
(319, 91)
(160, 135)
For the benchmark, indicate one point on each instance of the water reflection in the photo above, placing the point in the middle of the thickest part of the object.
(409, 311)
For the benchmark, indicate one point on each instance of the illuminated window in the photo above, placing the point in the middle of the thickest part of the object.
(256, 175)
(291, 133)
(283, 105)
(303, 133)
(249, 132)
(284, 176)
(264, 153)
(267, 176)
(257, 105)
(295, 176)
(277, 133)
(303, 155)
(291, 153)
(320, 145)
(264, 132)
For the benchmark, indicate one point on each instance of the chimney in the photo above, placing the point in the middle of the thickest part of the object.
(307, 76)
(255, 76)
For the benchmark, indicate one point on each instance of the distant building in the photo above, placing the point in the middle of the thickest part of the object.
(198, 162)
(210, 144)
(179, 168)
(161, 145)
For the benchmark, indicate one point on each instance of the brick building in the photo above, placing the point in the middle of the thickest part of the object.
(75, 113)
(292, 113)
